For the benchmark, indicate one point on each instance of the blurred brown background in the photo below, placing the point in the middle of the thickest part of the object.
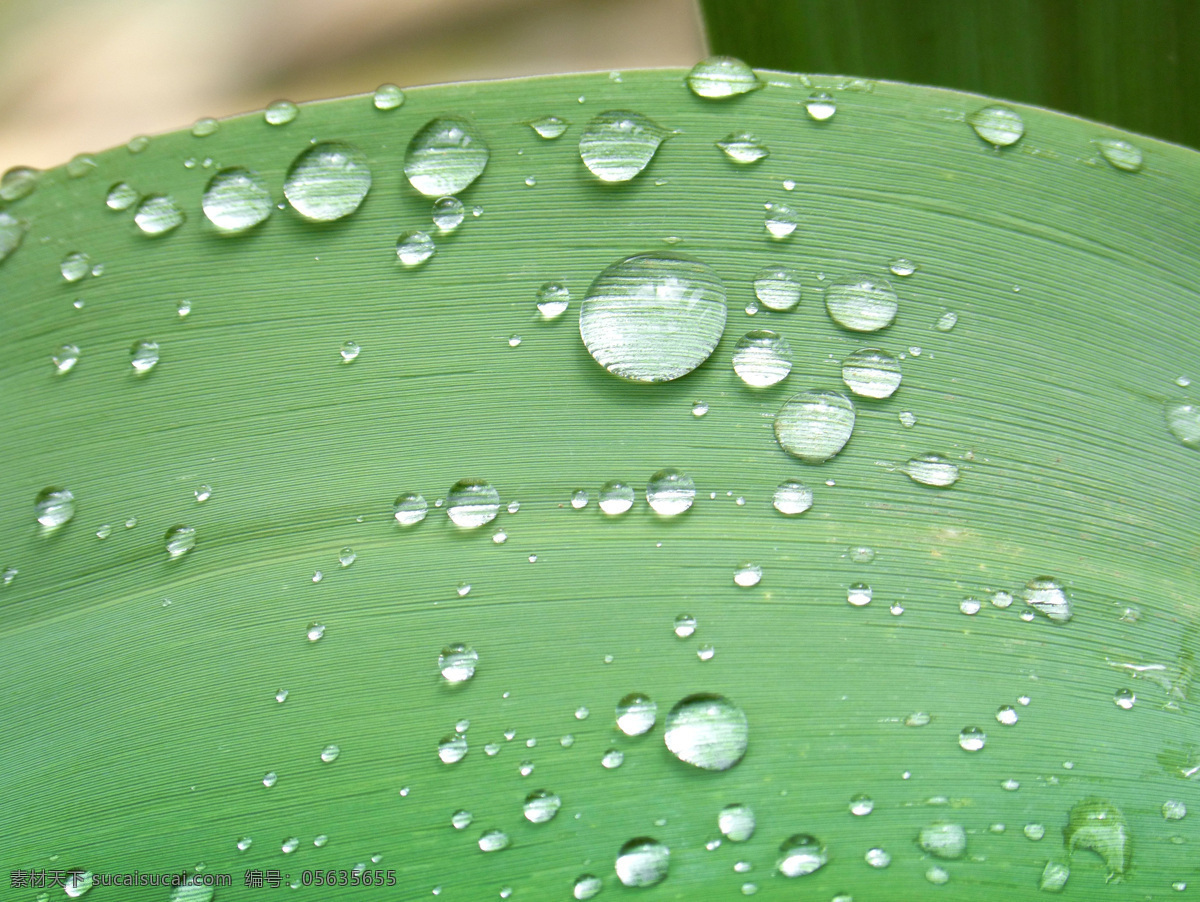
(84, 75)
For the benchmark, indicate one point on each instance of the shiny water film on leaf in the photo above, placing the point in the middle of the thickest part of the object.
(327, 181)
(445, 156)
(618, 144)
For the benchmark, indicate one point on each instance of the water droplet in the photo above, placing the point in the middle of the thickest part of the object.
(445, 157)
(350, 351)
(472, 503)
(549, 127)
(493, 841)
(1054, 877)
(719, 77)
(902, 267)
(205, 126)
(388, 97)
(618, 144)
(705, 652)
(270, 779)
(158, 215)
(814, 425)
(581, 713)
(461, 819)
(579, 499)
(972, 739)
(514, 341)
(587, 886)
(707, 731)
(64, 359)
(410, 509)
(414, 247)
(18, 182)
(861, 805)
(138, 143)
(314, 632)
(859, 594)
(871, 373)
(457, 663)
(747, 574)
(1183, 420)
(861, 303)
(613, 758)
(1174, 810)
(244, 843)
(762, 358)
(1046, 596)
(736, 822)
(1100, 826)
(670, 492)
(699, 408)
(121, 196)
(448, 213)
(943, 840)
(792, 498)
(820, 106)
(778, 287)
(878, 858)
(781, 220)
(636, 714)
(552, 300)
(281, 696)
(998, 125)
(1034, 831)
(143, 356)
(327, 181)
(236, 200)
(1125, 698)
(12, 232)
(1120, 154)
(743, 148)
(180, 540)
(453, 748)
(615, 497)
(917, 719)
(800, 855)
(1007, 715)
(643, 862)
(932, 469)
(75, 266)
(53, 507)
(653, 317)
(541, 806)
(330, 753)
(947, 321)
(76, 883)
(280, 112)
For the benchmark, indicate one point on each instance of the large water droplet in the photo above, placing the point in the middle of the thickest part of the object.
(180, 540)
(1046, 596)
(541, 806)
(157, 215)
(327, 181)
(871, 373)
(708, 731)
(743, 148)
(280, 112)
(801, 855)
(458, 662)
(861, 303)
(12, 232)
(445, 156)
(719, 77)
(472, 503)
(414, 247)
(236, 200)
(18, 182)
(53, 507)
(643, 862)
(653, 317)
(778, 287)
(615, 497)
(1183, 421)
(388, 97)
(932, 469)
(670, 492)
(814, 425)
(1120, 154)
(618, 144)
(1100, 826)
(143, 356)
(998, 125)
(943, 840)
(736, 822)
(587, 886)
(636, 714)
(762, 358)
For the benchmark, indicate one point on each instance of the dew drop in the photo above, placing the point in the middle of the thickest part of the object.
(461, 819)
(18, 182)
(705, 652)
(998, 125)
(121, 196)
(472, 503)
(720, 77)
(76, 883)
(1183, 421)
(932, 469)
(53, 507)
(1054, 877)
(410, 509)
(943, 840)
(814, 425)
(902, 267)
(549, 127)
(781, 220)
(1125, 698)
(448, 213)
(579, 499)
(388, 97)
(878, 858)
(861, 554)
(736, 822)
(615, 498)
(820, 106)
(330, 753)
(1120, 154)
(917, 719)
(280, 112)
(972, 739)
(670, 492)
(1100, 826)
(315, 632)
(792, 498)
(587, 886)
(871, 373)
(138, 143)
(64, 359)
(937, 875)
(743, 148)
(453, 748)
(458, 662)
(158, 215)
(778, 287)
(707, 731)
(1174, 810)
(1034, 831)
(414, 247)
(653, 317)
(762, 358)
(613, 758)
(747, 575)
(327, 181)
(493, 841)
(179, 541)
(1007, 715)
(685, 626)
(541, 806)
(270, 779)
(859, 594)
(699, 408)
(143, 356)
(236, 200)
(643, 862)
(1046, 596)
(618, 144)
(445, 157)
(947, 321)
(800, 855)
(861, 805)
(350, 351)
(861, 303)
(80, 165)
(75, 266)
(636, 714)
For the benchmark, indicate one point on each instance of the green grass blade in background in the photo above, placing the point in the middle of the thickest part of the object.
(1131, 64)
(138, 692)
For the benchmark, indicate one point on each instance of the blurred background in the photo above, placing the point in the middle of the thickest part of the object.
(85, 75)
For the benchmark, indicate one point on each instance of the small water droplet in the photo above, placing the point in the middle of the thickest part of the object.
(327, 181)
(685, 626)
(18, 182)
(699, 408)
(280, 112)
(138, 143)
(244, 843)
(183, 308)
(1120, 154)
(861, 303)
(453, 748)
(281, 696)
(859, 594)
(743, 148)
(463, 590)
(472, 503)
(549, 127)
(636, 714)
(747, 574)
(12, 233)
(180, 540)
(1054, 877)
(514, 341)
(461, 819)
(781, 220)
(458, 662)
(1125, 698)
(1100, 826)
(587, 886)
(410, 509)
(643, 862)
(613, 758)
(64, 359)
(315, 632)
(77, 882)
(1034, 831)
(158, 215)
(902, 267)
(1007, 715)
(236, 200)
(618, 144)
(143, 356)
(720, 77)
(972, 739)
(871, 373)
(932, 469)
(350, 351)
(998, 125)
(947, 321)
(800, 855)
(205, 126)
(736, 822)
(778, 287)
(53, 507)
(541, 806)
(878, 858)
(762, 358)
(414, 247)
(861, 805)
(1046, 596)
(792, 498)
(270, 779)
(1183, 421)
(493, 841)
(445, 157)
(615, 497)
(943, 840)
(121, 196)
(552, 300)
(330, 753)
(1174, 810)
(670, 492)
(707, 731)
(388, 97)
(579, 499)
(814, 425)
(75, 266)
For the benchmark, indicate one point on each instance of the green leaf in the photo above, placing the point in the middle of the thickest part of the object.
(139, 693)
(1130, 64)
